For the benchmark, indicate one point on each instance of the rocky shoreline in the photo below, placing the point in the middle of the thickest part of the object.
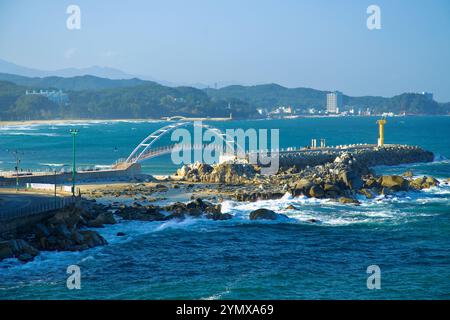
(342, 179)
(344, 176)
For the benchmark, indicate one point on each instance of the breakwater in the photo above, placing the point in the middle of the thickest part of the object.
(371, 155)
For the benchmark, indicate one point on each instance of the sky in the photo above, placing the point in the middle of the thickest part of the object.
(319, 44)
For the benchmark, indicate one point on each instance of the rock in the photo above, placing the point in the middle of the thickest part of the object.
(371, 182)
(316, 191)
(93, 239)
(69, 216)
(161, 188)
(424, 183)
(120, 234)
(346, 200)
(393, 182)
(25, 257)
(77, 237)
(291, 207)
(262, 213)
(41, 230)
(219, 216)
(332, 190)
(304, 184)
(62, 231)
(5, 250)
(408, 174)
(17, 248)
(217, 208)
(366, 192)
(102, 218)
(312, 220)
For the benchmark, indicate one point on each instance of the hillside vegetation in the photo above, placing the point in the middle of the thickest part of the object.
(100, 98)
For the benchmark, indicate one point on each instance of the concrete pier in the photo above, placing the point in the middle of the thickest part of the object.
(124, 172)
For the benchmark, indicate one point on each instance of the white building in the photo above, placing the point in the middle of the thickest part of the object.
(58, 97)
(427, 95)
(334, 102)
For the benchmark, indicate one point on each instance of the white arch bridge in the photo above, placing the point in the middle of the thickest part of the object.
(146, 149)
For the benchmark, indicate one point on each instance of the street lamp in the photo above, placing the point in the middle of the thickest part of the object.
(73, 132)
(17, 157)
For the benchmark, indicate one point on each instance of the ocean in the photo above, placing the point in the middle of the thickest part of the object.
(406, 235)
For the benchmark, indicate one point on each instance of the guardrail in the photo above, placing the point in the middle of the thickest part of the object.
(49, 205)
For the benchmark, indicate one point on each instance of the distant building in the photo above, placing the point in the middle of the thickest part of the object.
(334, 102)
(262, 111)
(283, 110)
(58, 97)
(427, 95)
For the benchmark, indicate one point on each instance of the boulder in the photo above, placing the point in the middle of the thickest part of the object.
(161, 188)
(332, 190)
(304, 184)
(371, 182)
(6, 250)
(366, 192)
(262, 213)
(41, 230)
(69, 216)
(394, 182)
(93, 239)
(345, 200)
(316, 191)
(17, 248)
(102, 218)
(424, 183)
(408, 174)
(218, 216)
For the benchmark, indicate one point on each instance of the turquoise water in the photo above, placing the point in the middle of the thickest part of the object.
(406, 235)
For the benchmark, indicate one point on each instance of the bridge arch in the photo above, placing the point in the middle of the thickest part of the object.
(144, 148)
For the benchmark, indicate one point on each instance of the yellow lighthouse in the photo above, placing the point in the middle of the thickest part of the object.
(381, 124)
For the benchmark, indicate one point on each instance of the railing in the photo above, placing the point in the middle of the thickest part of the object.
(51, 204)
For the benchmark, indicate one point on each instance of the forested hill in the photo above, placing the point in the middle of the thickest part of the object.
(271, 95)
(148, 100)
(78, 83)
(100, 98)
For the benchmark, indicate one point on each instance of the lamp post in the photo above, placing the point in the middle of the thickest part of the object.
(73, 132)
(17, 157)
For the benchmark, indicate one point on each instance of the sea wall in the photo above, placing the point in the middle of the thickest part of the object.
(370, 155)
(123, 174)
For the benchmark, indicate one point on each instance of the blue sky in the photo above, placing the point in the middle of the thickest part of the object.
(319, 44)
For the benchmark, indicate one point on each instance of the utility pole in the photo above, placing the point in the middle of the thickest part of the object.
(73, 132)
